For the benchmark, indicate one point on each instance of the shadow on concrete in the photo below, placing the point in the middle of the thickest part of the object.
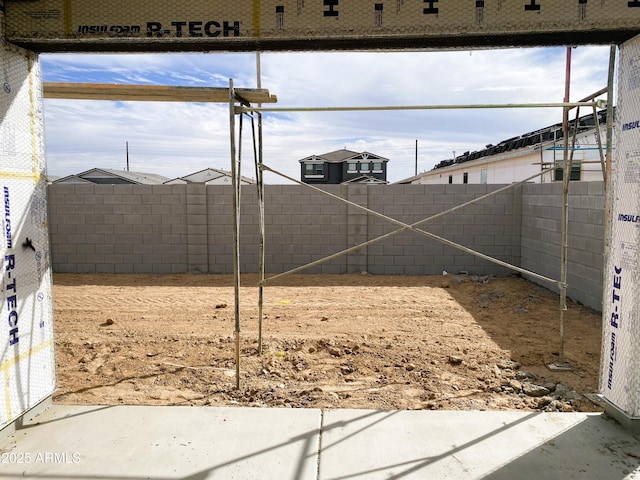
(526, 446)
(305, 466)
(413, 466)
(329, 445)
(595, 448)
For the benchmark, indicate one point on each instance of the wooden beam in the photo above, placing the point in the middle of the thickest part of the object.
(152, 93)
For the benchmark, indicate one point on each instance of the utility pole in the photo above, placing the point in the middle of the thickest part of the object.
(127, 156)
(416, 171)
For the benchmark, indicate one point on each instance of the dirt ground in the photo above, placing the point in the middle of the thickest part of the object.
(329, 341)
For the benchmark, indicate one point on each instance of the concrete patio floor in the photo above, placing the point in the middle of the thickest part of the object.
(143, 442)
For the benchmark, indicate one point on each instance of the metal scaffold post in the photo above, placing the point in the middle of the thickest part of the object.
(236, 226)
(565, 209)
(260, 185)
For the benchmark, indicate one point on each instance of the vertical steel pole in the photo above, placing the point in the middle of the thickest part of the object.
(565, 206)
(260, 181)
(608, 187)
(260, 184)
(603, 162)
(609, 139)
(236, 226)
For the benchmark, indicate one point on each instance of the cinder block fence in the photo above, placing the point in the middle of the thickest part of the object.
(188, 229)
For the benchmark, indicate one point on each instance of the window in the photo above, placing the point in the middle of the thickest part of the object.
(314, 170)
(575, 174)
(377, 167)
(483, 175)
(465, 177)
(352, 167)
(450, 178)
(365, 167)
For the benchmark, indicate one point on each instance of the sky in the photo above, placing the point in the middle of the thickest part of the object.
(175, 139)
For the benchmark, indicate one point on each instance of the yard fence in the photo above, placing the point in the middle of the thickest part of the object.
(188, 229)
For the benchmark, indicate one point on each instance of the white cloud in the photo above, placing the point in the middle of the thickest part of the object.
(175, 139)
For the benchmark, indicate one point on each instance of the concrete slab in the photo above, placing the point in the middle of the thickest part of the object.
(189, 443)
(136, 442)
(471, 445)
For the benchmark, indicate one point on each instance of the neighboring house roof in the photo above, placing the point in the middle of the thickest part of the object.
(409, 180)
(540, 138)
(108, 177)
(209, 176)
(368, 179)
(72, 179)
(339, 156)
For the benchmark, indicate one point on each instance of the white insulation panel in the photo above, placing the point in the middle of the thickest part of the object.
(27, 364)
(619, 379)
(279, 24)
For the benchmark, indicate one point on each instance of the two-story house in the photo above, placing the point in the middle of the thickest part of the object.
(344, 166)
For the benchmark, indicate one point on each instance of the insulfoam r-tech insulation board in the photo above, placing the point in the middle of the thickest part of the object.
(208, 25)
(27, 364)
(620, 360)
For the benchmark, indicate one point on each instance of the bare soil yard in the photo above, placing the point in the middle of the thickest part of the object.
(348, 341)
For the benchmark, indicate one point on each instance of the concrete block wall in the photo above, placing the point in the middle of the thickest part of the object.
(541, 237)
(197, 228)
(188, 229)
(118, 228)
(301, 226)
(491, 226)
